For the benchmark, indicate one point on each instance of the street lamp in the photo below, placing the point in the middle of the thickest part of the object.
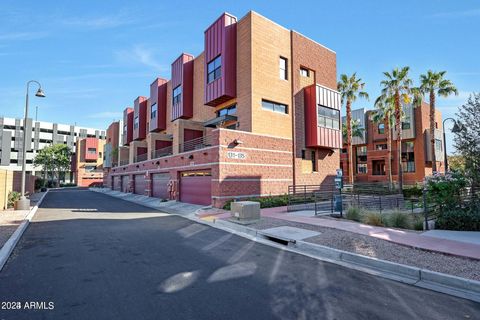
(456, 128)
(23, 203)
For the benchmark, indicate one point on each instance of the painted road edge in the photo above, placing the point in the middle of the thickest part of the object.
(8, 247)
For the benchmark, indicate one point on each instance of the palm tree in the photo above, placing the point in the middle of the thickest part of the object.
(433, 83)
(399, 86)
(356, 128)
(385, 113)
(350, 88)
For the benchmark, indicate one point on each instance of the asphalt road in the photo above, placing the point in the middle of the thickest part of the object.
(96, 257)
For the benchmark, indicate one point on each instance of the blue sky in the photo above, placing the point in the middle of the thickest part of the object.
(94, 57)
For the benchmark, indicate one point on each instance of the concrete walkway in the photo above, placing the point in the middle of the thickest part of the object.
(462, 236)
(448, 244)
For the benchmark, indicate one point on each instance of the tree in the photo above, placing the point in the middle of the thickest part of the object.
(400, 87)
(350, 89)
(356, 129)
(456, 163)
(55, 159)
(433, 83)
(385, 113)
(467, 140)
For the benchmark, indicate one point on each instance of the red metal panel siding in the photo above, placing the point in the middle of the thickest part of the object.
(221, 39)
(311, 136)
(90, 143)
(182, 74)
(128, 120)
(160, 185)
(189, 134)
(158, 95)
(140, 111)
(160, 144)
(196, 189)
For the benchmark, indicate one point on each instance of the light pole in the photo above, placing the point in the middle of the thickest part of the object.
(23, 203)
(456, 128)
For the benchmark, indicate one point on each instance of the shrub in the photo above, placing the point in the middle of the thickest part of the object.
(415, 191)
(399, 219)
(418, 223)
(13, 196)
(67, 185)
(459, 219)
(265, 202)
(445, 190)
(39, 183)
(354, 213)
(374, 219)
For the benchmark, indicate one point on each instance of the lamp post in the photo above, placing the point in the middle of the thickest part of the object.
(23, 203)
(456, 128)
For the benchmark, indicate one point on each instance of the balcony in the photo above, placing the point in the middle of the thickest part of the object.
(163, 152)
(123, 162)
(197, 143)
(140, 157)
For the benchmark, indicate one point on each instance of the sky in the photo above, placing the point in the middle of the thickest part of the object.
(93, 58)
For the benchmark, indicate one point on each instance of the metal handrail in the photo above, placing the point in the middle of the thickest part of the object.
(141, 157)
(124, 162)
(163, 152)
(196, 144)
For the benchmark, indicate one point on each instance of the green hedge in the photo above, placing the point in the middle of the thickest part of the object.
(459, 219)
(265, 202)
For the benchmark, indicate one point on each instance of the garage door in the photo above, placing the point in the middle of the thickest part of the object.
(160, 185)
(140, 184)
(124, 183)
(116, 183)
(196, 187)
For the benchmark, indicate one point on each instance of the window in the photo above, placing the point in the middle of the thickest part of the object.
(92, 151)
(214, 69)
(344, 150)
(328, 117)
(135, 122)
(381, 128)
(381, 146)
(362, 154)
(153, 111)
(438, 145)
(406, 124)
(408, 156)
(274, 106)
(362, 168)
(227, 111)
(304, 72)
(303, 155)
(378, 167)
(314, 162)
(283, 62)
(177, 95)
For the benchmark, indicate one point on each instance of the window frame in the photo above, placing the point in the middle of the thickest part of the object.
(275, 106)
(306, 71)
(153, 113)
(382, 129)
(136, 122)
(216, 71)
(328, 121)
(228, 110)
(283, 70)
(177, 98)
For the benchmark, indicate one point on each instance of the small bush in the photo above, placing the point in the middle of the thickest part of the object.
(13, 196)
(67, 185)
(354, 213)
(415, 191)
(418, 223)
(399, 219)
(374, 219)
(265, 202)
(459, 219)
(39, 183)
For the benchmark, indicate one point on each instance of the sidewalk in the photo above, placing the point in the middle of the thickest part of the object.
(406, 238)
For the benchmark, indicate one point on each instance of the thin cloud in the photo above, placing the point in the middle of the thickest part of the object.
(104, 22)
(22, 36)
(458, 14)
(140, 55)
(106, 115)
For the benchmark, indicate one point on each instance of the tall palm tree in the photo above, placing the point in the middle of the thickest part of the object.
(385, 113)
(356, 128)
(400, 87)
(433, 83)
(350, 88)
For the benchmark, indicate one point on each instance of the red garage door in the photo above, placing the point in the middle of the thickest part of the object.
(140, 184)
(196, 187)
(124, 183)
(117, 183)
(160, 185)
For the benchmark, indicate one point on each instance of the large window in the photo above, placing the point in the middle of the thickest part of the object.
(328, 117)
(92, 151)
(381, 128)
(408, 156)
(438, 145)
(406, 124)
(153, 111)
(283, 63)
(227, 111)
(135, 122)
(362, 168)
(214, 69)
(274, 106)
(177, 95)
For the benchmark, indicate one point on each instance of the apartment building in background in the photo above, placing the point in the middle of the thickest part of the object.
(39, 134)
(370, 161)
(87, 162)
(252, 114)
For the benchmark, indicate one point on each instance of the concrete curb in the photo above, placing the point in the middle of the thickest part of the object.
(435, 281)
(8, 247)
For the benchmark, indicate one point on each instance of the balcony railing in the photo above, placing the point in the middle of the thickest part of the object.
(140, 157)
(124, 162)
(197, 143)
(163, 152)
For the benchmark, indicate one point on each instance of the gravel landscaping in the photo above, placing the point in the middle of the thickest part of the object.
(381, 249)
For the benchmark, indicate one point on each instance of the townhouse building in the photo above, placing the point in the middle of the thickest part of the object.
(87, 162)
(253, 113)
(370, 161)
(39, 135)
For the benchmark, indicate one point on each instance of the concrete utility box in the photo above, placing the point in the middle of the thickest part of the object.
(244, 211)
